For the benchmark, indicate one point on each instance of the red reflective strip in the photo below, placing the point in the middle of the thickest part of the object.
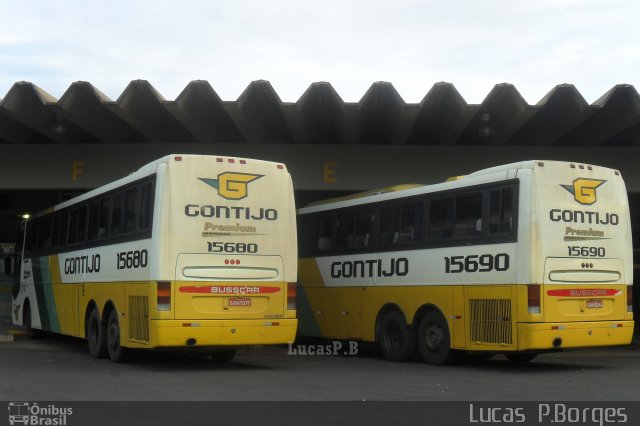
(227, 289)
(583, 292)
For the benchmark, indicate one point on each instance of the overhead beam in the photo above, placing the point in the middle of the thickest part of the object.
(313, 167)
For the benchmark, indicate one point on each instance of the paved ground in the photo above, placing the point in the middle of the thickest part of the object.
(59, 368)
(324, 389)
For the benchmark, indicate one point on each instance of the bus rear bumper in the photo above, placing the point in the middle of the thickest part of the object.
(550, 336)
(184, 333)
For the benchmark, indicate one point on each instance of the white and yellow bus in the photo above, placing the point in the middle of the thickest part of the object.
(189, 251)
(517, 259)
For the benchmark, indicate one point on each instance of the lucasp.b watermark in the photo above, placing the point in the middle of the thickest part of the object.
(332, 348)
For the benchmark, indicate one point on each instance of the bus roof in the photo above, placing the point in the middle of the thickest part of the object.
(147, 170)
(401, 191)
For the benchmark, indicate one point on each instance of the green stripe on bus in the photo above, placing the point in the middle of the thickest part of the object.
(44, 294)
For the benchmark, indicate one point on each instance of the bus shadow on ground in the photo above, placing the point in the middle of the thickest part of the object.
(162, 360)
(544, 362)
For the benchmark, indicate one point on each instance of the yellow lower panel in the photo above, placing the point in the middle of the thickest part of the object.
(578, 335)
(171, 333)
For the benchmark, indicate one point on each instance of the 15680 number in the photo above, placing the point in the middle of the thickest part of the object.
(132, 259)
(476, 263)
(218, 247)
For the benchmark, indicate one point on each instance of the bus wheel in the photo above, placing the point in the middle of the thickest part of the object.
(117, 353)
(397, 340)
(434, 340)
(520, 358)
(96, 338)
(32, 333)
(223, 356)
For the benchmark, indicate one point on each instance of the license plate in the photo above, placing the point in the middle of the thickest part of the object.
(240, 301)
(595, 303)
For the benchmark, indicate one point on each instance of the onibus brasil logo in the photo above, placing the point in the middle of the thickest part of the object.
(584, 190)
(27, 413)
(232, 186)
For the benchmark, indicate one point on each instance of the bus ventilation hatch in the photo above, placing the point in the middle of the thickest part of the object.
(139, 318)
(491, 321)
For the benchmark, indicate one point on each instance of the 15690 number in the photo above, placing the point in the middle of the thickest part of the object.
(476, 263)
(132, 259)
(579, 251)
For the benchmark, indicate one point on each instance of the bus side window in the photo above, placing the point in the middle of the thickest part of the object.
(64, 229)
(47, 232)
(146, 207)
(441, 219)
(130, 209)
(501, 211)
(344, 229)
(468, 215)
(117, 214)
(73, 227)
(105, 214)
(411, 222)
(389, 225)
(56, 231)
(82, 224)
(324, 233)
(92, 229)
(362, 231)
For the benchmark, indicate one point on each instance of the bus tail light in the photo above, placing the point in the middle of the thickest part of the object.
(163, 302)
(629, 298)
(533, 298)
(291, 296)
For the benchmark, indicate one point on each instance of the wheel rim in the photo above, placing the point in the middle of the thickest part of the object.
(434, 336)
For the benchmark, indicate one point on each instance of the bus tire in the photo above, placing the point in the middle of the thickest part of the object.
(520, 357)
(96, 338)
(223, 356)
(397, 340)
(31, 333)
(117, 353)
(434, 340)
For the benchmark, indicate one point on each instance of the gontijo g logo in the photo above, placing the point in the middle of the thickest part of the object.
(232, 186)
(584, 190)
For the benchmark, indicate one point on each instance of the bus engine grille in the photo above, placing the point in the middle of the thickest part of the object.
(491, 321)
(139, 318)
